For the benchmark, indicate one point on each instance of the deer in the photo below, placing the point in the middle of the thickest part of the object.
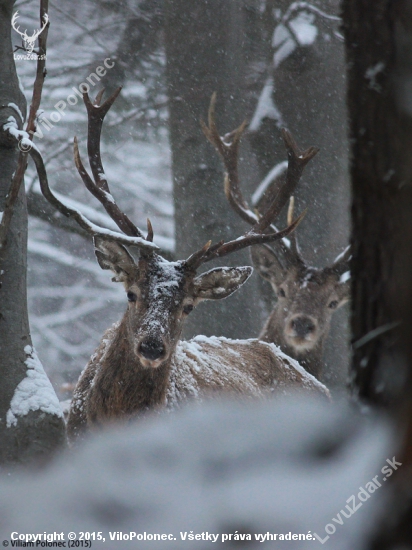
(141, 365)
(306, 296)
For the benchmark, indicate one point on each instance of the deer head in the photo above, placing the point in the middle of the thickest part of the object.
(29, 41)
(160, 293)
(306, 296)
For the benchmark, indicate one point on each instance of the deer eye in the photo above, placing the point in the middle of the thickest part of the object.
(131, 296)
(334, 304)
(187, 309)
(281, 293)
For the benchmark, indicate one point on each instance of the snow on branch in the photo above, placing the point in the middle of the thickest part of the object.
(296, 6)
(265, 108)
(277, 171)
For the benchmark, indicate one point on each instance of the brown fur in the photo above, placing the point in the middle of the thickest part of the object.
(304, 293)
(114, 386)
(140, 364)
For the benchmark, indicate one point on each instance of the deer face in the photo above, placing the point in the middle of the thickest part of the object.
(307, 298)
(161, 294)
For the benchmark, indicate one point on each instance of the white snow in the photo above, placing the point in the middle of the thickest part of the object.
(265, 108)
(109, 196)
(17, 109)
(344, 277)
(277, 171)
(304, 29)
(21, 136)
(104, 232)
(34, 392)
(372, 73)
(299, 31)
(307, 278)
(221, 467)
(301, 5)
(340, 256)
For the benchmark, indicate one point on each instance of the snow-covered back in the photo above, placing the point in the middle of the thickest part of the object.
(219, 468)
(34, 393)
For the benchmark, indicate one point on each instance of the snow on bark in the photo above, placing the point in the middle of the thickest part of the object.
(277, 171)
(265, 108)
(34, 392)
(17, 109)
(20, 135)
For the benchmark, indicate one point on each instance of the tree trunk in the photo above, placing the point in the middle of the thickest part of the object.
(379, 55)
(36, 433)
(381, 172)
(204, 54)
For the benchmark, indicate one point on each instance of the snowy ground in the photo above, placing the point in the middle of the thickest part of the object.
(295, 467)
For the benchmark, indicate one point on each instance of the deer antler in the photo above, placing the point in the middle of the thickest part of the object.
(83, 222)
(228, 147)
(99, 187)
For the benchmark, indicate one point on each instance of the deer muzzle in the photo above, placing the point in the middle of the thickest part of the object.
(151, 351)
(301, 331)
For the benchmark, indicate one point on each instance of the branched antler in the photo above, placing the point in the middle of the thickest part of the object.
(100, 187)
(228, 149)
(82, 221)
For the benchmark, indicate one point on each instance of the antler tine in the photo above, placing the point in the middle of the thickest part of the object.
(197, 258)
(289, 218)
(96, 114)
(98, 98)
(100, 187)
(229, 153)
(291, 253)
(208, 253)
(228, 149)
(120, 218)
(149, 236)
(84, 223)
(296, 163)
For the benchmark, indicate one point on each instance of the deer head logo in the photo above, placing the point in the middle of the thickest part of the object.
(29, 41)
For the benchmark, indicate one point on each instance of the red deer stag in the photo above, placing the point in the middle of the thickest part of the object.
(140, 363)
(306, 296)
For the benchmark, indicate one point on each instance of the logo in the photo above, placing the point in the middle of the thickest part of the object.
(29, 41)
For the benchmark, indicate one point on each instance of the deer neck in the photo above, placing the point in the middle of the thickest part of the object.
(311, 360)
(123, 387)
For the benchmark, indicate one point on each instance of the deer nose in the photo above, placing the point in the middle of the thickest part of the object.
(303, 326)
(151, 348)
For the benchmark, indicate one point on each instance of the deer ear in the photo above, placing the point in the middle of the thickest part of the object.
(220, 282)
(114, 256)
(267, 264)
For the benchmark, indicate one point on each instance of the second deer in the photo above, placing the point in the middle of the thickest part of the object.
(307, 296)
(140, 364)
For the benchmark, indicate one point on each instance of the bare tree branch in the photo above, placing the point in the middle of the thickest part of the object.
(31, 126)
